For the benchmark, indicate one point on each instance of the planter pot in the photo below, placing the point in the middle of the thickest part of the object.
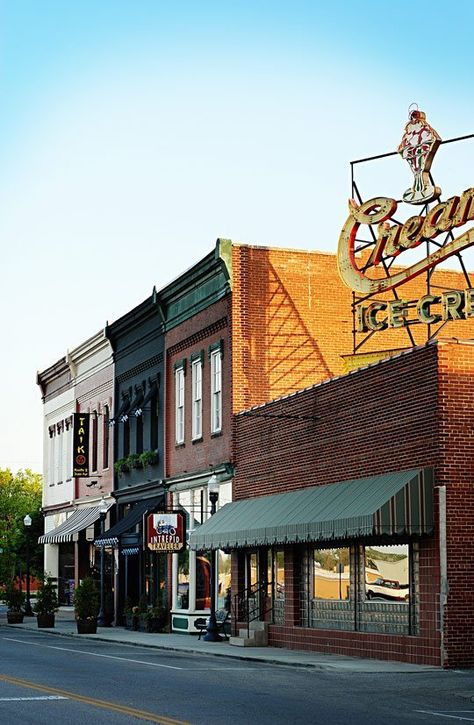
(131, 622)
(45, 621)
(86, 626)
(144, 625)
(158, 624)
(15, 617)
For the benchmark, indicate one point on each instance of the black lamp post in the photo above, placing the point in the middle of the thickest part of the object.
(212, 634)
(27, 522)
(103, 508)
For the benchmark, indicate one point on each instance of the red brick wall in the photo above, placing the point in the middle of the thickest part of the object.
(456, 471)
(192, 336)
(380, 419)
(412, 411)
(292, 321)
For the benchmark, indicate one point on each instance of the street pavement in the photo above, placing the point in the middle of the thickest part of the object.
(65, 626)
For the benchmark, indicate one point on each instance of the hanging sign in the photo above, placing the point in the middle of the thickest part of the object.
(166, 531)
(80, 443)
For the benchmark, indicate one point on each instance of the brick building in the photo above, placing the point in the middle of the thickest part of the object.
(353, 511)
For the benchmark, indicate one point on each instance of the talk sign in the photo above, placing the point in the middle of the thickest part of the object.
(80, 442)
(166, 532)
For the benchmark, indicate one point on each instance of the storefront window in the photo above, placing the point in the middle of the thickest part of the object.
(279, 574)
(387, 573)
(331, 574)
(203, 580)
(182, 601)
(223, 586)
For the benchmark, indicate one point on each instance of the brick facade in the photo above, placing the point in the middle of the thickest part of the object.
(292, 321)
(197, 334)
(410, 411)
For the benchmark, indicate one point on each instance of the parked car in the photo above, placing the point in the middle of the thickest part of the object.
(387, 589)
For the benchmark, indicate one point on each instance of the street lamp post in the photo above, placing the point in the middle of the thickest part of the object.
(27, 522)
(212, 630)
(103, 508)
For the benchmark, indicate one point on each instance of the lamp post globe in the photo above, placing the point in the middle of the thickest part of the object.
(27, 521)
(101, 619)
(212, 634)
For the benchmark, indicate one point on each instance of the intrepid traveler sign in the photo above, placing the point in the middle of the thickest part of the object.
(166, 532)
(418, 147)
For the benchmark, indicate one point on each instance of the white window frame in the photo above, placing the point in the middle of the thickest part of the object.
(216, 390)
(196, 378)
(179, 404)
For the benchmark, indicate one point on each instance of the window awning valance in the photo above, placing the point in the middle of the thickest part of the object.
(394, 504)
(113, 535)
(77, 521)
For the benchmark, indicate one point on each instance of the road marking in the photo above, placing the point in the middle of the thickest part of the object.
(27, 699)
(122, 709)
(241, 668)
(92, 654)
(451, 717)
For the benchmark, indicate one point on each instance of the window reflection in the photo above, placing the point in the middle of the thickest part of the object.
(223, 586)
(331, 573)
(203, 580)
(279, 564)
(387, 573)
(182, 601)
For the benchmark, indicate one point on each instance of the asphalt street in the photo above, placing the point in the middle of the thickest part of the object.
(45, 679)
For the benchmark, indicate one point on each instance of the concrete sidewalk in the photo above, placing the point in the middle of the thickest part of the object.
(186, 643)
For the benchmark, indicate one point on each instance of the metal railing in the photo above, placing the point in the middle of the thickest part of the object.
(252, 604)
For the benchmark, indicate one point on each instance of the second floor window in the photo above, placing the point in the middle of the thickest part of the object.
(196, 375)
(95, 440)
(179, 404)
(106, 437)
(216, 391)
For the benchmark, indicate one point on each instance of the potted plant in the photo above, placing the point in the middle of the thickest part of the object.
(157, 616)
(47, 602)
(14, 599)
(134, 460)
(121, 466)
(86, 606)
(142, 613)
(148, 458)
(131, 614)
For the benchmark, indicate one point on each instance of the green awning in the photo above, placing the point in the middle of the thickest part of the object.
(393, 504)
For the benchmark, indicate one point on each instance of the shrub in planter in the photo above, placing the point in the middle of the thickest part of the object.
(86, 606)
(134, 460)
(47, 602)
(15, 600)
(148, 458)
(121, 466)
(130, 613)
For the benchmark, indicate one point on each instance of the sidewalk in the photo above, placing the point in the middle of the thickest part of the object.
(66, 627)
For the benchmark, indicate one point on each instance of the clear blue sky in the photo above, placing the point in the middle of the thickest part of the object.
(134, 133)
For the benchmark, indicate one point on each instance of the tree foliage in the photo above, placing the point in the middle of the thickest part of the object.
(20, 494)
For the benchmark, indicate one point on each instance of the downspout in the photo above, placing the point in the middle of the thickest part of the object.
(443, 570)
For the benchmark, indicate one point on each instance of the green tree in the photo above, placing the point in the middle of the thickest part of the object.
(20, 494)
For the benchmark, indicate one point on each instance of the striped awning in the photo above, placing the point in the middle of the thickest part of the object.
(393, 504)
(130, 551)
(77, 521)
